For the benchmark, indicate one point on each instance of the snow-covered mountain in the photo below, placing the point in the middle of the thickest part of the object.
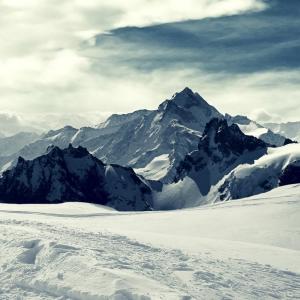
(155, 142)
(12, 144)
(73, 174)
(116, 121)
(290, 129)
(280, 166)
(216, 170)
(138, 139)
(220, 150)
(253, 128)
(170, 132)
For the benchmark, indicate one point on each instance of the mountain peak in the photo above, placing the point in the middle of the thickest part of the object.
(190, 101)
(231, 138)
(220, 150)
(78, 152)
(187, 91)
(67, 129)
(187, 98)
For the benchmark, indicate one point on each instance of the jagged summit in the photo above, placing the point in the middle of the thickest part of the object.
(188, 109)
(185, 99)
(185, 93)
(220, 150)
(73, 174)
(219, 134)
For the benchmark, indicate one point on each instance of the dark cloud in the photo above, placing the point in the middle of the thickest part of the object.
(252, 42)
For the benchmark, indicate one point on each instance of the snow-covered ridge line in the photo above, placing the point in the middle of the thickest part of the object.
(173, 129)
(203, 176)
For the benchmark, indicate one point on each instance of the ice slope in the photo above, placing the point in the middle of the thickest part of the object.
(247, 249)
(266, 173)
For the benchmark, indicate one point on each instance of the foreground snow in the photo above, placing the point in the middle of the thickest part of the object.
(246, 249)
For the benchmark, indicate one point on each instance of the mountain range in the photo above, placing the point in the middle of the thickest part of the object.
(73, 174)
(184, 153)
(290, 129)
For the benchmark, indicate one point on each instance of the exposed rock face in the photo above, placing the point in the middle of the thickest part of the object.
(291, 174)
(220, 150)
(73, 174)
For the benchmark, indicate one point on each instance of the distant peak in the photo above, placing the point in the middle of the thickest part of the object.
(238, 119)
(183, 100)
(70, 150)
(66, 129)
(69, 127)
(187, 98)
(187, 91)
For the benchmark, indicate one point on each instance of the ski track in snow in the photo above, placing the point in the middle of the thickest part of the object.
(40, 261)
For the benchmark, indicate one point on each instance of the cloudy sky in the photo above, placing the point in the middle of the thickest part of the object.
(78, 61)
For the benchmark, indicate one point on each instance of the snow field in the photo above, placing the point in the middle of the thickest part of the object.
(246, 249)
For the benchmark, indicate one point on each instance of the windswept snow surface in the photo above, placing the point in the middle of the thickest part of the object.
(156, 169)
(183, 194)
(246, 249)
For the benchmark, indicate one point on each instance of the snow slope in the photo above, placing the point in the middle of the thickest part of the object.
(156, 169)
(247, 249)
(12, 144)
(266, 173)
(252, 128)
(289, 129)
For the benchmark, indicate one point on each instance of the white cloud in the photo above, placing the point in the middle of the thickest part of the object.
(141, 13)
(12, 123)
(43, 73)
(262, 116)
(38, 25)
